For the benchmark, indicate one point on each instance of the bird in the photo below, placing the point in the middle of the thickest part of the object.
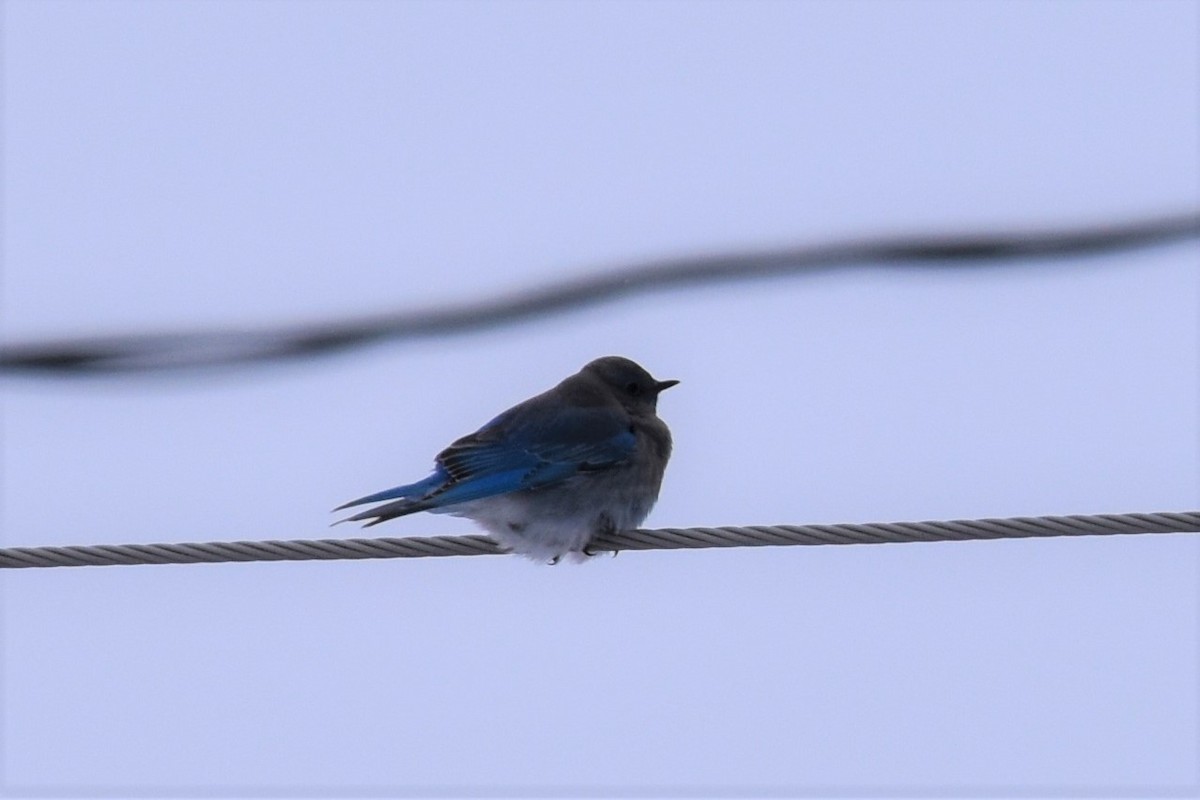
(550, 474)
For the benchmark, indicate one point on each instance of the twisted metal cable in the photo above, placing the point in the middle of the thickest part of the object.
(175, 351)
(656, 539)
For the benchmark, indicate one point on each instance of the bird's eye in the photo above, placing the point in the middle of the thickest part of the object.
(633, 388)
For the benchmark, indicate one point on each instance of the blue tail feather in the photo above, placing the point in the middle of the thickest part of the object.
(418, 489)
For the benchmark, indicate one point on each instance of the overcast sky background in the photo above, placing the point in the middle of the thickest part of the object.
(237, 163)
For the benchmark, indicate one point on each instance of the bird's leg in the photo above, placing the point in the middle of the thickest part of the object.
(604, 527)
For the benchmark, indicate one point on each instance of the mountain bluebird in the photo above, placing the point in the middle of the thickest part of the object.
(550, 474)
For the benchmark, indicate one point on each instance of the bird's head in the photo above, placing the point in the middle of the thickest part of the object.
(633, 387)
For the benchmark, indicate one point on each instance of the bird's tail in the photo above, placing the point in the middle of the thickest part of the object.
(408, 499)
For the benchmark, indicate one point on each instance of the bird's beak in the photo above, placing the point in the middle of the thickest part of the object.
(661, 385)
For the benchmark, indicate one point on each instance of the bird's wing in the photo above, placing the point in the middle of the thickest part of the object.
(526, 447)
(519, 451)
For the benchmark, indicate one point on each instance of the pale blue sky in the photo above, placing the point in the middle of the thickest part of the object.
(190, 164)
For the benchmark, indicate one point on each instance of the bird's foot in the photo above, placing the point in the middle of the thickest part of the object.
(590, 553)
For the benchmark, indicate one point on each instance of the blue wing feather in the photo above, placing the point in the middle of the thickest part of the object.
(579, 439)
(518, 450)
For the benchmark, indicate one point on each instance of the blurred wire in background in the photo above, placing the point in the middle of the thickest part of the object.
(176, 351)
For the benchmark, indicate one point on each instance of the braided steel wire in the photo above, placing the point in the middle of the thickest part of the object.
(653, 539)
